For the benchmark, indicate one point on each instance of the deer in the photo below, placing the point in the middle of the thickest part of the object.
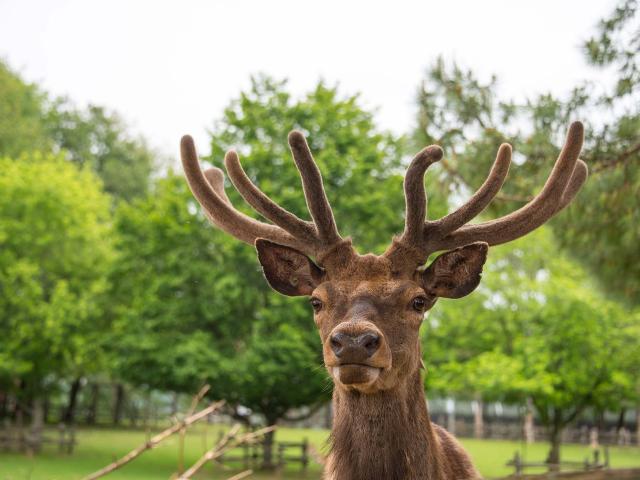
(368, 308)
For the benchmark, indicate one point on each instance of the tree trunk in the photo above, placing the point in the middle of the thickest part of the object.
(174, 404)
(555, 438)
(638, 424)
(553, 459)
(70, 412)
(4, 403)
(118, 408)
(37, 425)
(46, 408)
(529, 425)
(478, 418)
(620, 427)
(451, 416)
(267, 457)
(92, 411)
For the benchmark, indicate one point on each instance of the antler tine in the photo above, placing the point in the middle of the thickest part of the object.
(221, 212)
(563, 183)
(315, 196)
(215, 177)
(264, 205)
(482, 198)
(415, 195)
(578, 177)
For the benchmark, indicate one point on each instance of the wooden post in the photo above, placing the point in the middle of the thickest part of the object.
(72, 440)
(305, 453)
(246, 456)
(281, 461)
(61, 448)
(478, 419)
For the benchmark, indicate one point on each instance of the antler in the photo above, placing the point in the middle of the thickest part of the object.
(312, 238)
(422, 237)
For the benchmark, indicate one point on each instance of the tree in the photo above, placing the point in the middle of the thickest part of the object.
(171, 324)
(526, 333)
(21, 115)
(99, 139)
(470, 120)
(55, 250)
(31, 120)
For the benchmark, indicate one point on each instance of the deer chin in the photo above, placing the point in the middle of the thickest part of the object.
(356, 376)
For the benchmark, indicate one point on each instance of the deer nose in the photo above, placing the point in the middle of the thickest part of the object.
(354, 348)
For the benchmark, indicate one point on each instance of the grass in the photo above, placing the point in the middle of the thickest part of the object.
(98, 447)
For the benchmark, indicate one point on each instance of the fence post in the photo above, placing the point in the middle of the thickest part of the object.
(72, 439)
(246, 456)
(305, 454)
(61, 438)
(281, 461)
(606, 456)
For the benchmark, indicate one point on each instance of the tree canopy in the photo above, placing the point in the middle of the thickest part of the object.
(55, 249)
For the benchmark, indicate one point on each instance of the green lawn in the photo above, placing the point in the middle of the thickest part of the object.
(97, 448)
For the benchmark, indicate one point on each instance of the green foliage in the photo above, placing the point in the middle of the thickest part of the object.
(99, 139)
(55, 249)
(617, 44)
(30, 120)
(469, 119)
(362, 166)
(21, 115)
(170, 320)
(535, 329)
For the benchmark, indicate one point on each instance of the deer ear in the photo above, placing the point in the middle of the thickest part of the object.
(287, 270)
(456, 273)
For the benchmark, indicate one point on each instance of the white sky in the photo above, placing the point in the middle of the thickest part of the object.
(170, 67)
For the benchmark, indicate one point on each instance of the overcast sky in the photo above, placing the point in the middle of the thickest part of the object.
(170, 67)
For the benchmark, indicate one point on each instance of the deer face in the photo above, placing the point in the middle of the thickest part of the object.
(369, 316)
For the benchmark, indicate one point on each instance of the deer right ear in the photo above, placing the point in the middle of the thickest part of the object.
(287, 270)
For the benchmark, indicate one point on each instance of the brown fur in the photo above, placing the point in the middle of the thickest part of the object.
(369, 308)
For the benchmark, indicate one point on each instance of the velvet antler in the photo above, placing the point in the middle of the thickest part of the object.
(312, 238)
(422, 237)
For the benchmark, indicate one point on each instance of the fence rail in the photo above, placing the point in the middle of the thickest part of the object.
(22, 440)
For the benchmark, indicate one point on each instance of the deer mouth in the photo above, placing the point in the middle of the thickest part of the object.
(356, 373)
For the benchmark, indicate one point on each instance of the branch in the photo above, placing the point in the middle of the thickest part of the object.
(241, 475)
(622, 158)
(229, 441)
(312, 411)
(154, 441)
(198, 398)
(500, 196)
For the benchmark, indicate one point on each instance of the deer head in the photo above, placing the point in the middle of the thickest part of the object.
(369, 308)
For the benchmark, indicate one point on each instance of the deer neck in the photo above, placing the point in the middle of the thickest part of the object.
(386, 435)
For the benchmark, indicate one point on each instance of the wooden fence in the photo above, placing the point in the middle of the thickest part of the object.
(587, 465)
(608, 474)
(22, 440)
(251, 455)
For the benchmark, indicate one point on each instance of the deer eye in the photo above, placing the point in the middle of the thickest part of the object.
(316, 303)
(419, 304)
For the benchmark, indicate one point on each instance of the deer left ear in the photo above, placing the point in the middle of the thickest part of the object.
(287, 270)
(456, 273)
